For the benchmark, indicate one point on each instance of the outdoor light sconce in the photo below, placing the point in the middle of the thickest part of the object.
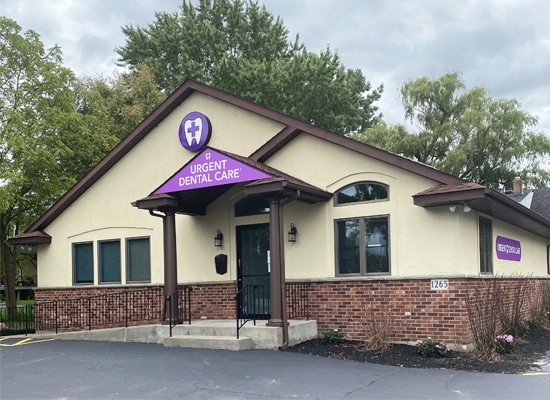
(292, 233)
(218, 240)
(467, 208)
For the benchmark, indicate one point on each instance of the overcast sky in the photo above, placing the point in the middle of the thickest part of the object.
(502, 45)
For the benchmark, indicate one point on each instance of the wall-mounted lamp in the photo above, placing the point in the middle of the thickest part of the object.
(292, 233)
(467, 208)
(218, 240)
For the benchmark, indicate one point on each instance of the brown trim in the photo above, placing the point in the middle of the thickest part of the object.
(36, 237)
(490, 202)
(284, 188)
(440, 199)
(275, 143)
(156, 202)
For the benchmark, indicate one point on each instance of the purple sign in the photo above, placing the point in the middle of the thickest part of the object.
(210, 168)
(508, 249)
(195, 131)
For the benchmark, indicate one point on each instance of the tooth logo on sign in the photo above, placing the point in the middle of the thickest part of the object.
(195, 131)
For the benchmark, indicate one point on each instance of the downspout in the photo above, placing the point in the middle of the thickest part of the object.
(163, 217)
(284, 346)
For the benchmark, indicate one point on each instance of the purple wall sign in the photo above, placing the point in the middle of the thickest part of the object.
(195, 131)
(210, 168)
(508, 249)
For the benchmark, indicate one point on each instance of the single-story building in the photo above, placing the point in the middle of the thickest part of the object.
(219, 194)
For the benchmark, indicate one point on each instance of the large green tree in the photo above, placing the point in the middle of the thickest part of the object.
(113, 107)
(45, 143)
(467, 134)
(239, 47)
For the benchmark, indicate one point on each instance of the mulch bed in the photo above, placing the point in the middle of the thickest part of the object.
(526, 353)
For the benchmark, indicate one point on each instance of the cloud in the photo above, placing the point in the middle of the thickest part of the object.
(502, 45)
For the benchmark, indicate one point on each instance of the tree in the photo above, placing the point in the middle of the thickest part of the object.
(239, 47)
(467, 134)
(117, 105)
(45, 144)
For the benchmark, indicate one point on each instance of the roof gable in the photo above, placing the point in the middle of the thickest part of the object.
(293, 128)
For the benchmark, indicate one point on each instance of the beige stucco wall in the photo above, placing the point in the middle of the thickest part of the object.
(533, 253)
(105, 211)
(423, 242)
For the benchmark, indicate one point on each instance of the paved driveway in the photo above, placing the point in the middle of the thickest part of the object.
(58, 369)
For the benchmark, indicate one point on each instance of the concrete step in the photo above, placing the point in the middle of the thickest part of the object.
(209, 342)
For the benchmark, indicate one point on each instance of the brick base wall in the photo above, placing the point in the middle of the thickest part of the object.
(213, 301)
(442, 314)
(351, 305)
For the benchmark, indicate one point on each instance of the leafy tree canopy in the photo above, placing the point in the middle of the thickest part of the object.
(239, 47)
(467, 134)
(54, 128)
(114, 107)
(36, 111)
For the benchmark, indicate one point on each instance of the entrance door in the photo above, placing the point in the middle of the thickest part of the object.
(253, 270)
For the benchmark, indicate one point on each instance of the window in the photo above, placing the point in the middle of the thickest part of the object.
(361, 192)
(363, 246)
(109, 261)
(251, 206)
(138, 260)
(485, 245)
(83, 263)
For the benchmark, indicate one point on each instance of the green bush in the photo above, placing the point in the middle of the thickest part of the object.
(333, 336)
(534, 323)
(431, 348)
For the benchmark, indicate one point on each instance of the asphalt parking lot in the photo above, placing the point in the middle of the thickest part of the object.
(33, 368)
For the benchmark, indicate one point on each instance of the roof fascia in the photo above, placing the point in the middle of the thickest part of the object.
(42, 238)
(275, 143)
(440, 199)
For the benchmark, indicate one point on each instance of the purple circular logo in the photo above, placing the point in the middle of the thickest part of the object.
(195, 131)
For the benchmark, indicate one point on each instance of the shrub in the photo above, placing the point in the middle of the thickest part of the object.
(431, 348)
(377, 326)
(534, 323)
(504, 344)
(333, 336)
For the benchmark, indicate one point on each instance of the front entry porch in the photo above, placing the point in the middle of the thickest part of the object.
(205, 334)
(134, 315)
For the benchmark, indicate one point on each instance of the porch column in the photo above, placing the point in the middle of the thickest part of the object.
(276, 260)
(170, 264)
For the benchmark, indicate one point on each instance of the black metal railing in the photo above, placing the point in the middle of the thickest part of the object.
(183, 297)
(297, 300)
(17, 320)
(253, 303)
(107, 310)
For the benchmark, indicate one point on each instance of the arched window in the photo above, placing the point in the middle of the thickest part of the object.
(362, 192)
(251, 206)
